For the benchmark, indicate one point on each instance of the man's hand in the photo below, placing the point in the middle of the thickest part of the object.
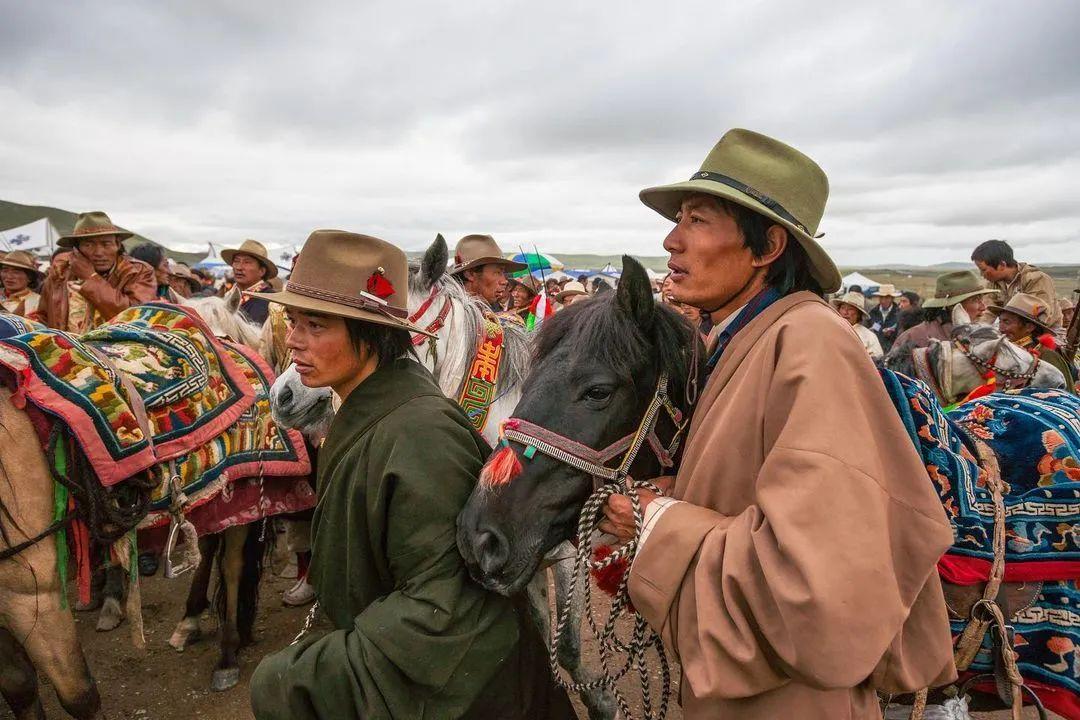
(620, 512)
(80, 266)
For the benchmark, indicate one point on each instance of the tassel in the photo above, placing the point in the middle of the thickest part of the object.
(379, 286)
(610, 578)
(60, 504)
(501, 468)
(81, 535)
(1047, 341)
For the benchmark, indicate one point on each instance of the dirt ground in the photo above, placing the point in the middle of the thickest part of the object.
(162, 684)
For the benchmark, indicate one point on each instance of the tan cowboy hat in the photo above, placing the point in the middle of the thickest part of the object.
(854, 299)
(255, 249)
(528, 282)
(92, 224)
(956, 287)
(1027, 307)
(349, 275)
(571, 288)
(770, 178)
(888, 289)
(1065, 303)
(23, 260)
(476, 250)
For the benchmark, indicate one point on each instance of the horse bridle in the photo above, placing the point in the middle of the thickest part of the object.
(436, 324)
(990, 366)
(594, 462)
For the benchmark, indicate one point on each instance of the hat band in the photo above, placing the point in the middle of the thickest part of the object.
(97, 229)
(747, 190)
(359, 303)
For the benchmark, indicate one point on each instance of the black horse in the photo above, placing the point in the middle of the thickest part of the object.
(594, 375)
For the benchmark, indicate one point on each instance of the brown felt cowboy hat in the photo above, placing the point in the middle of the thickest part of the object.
(531, 284)
(955, 287)
(349, 275)
(768, 177)
(92, 224)
(23, 260)
(1026, 307)
(255, 249)
(855, 300)
(475, 250)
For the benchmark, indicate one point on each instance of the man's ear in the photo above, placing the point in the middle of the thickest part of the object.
(777, 239)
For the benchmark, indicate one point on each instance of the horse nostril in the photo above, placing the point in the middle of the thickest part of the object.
(491, 552)
(285, 397)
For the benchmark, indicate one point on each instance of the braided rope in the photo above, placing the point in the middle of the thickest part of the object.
(642, 637)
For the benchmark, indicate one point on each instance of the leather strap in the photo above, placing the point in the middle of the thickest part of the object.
(747, 190)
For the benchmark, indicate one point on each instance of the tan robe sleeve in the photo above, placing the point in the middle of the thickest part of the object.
(813, 582)
(1041, 285)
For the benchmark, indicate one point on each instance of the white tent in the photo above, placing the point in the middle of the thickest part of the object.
(859, 279)
(213, 263)
(38, 235)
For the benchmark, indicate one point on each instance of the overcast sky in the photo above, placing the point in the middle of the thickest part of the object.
(939, 124)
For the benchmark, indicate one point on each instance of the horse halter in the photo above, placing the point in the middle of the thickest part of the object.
(990, 365)
(594, 462)
(437, 323)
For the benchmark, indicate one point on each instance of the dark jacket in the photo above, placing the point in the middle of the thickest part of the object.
(414, 636)
(885, 327)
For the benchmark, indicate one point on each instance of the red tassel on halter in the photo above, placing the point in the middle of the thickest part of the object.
(1047, 341)
(501, 468)
(609, 578)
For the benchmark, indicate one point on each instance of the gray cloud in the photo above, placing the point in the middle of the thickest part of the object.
(939, 124)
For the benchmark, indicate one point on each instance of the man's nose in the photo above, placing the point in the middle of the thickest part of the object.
(673, 241)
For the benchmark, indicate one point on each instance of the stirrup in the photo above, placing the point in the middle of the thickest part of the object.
(192, 556)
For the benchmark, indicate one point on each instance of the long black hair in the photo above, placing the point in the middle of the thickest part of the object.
(387, 343)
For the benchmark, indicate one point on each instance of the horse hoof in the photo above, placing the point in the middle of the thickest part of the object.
(224, 679)
(111, 615)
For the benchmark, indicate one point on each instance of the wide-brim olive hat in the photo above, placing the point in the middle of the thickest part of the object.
(956, 287)
(475, 250)
(23, 260)
(855, 300)
(92, 224)
(768, 177)
(349, 275)
(255, 249)
(1028, 307)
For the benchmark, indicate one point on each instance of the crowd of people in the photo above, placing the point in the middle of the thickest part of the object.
(743, 568)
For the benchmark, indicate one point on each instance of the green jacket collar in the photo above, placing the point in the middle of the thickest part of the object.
(387, 388)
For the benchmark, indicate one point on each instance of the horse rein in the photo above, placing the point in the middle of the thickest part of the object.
(991, 366)
(594, 462)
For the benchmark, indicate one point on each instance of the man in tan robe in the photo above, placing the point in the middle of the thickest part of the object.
(793, 568)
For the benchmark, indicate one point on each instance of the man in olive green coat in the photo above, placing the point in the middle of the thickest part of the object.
(413, 636)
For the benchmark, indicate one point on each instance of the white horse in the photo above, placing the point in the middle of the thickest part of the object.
(439, 304)
(953, 368)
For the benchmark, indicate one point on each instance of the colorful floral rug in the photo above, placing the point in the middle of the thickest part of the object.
(206, 403)
(1036, 436)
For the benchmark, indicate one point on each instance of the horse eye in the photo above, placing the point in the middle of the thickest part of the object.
(597, 393)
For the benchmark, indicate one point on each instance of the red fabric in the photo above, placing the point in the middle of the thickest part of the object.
(1055, 699)
(379, 286)
(80, 537)
(609, 578)
(961, 570)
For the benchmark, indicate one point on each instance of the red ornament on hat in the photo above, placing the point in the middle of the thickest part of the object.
(379, 286)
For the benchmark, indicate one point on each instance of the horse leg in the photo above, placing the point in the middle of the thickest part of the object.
(227, 672)
(47, 633)
(599, 702)
(187, 630)
(18, 680)
(112, 608)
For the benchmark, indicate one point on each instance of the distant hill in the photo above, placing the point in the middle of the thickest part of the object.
(14, 215)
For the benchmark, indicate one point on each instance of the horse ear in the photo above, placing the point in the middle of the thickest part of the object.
(634, 294)
(433, 265)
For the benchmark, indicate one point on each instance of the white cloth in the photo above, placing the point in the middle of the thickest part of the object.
(652, 513)
(869, 340)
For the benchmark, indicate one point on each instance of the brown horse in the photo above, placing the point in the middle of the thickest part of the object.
(36, 627)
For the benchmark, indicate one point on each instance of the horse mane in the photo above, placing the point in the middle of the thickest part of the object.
(223, 321)
(461, 347)
(599, 331)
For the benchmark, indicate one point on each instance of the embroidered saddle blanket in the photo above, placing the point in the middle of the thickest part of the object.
(155, 387)
(1036, 437)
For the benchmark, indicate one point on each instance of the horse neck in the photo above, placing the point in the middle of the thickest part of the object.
(26, 487)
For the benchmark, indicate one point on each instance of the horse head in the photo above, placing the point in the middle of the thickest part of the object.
(963, 363)
(439, 304)
(596, 370)
(225, 319)
(295, 405)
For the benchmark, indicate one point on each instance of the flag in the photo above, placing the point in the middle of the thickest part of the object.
(540, 309)
(32, 236)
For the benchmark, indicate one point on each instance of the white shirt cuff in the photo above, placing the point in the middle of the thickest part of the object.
(652, 514)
